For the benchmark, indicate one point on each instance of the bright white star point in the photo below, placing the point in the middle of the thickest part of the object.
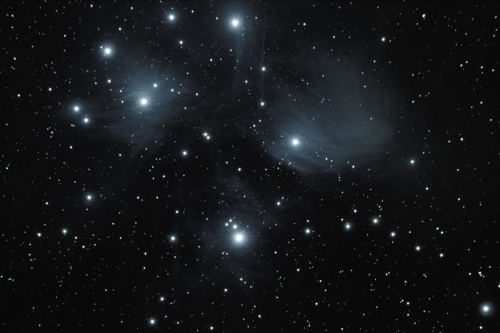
(238, 238)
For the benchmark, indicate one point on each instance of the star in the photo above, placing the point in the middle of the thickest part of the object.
(144, 101)
(76, 108)
(295, 142)
(171, 17)
(107, 51)
(486, 309)
(239, 238)
(235, 23)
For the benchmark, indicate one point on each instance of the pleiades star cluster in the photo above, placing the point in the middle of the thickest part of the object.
(250, 166)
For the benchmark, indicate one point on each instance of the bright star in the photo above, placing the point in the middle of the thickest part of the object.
(107, 51)
(171, 17)
(144, 101)
(235, 23)
(486, 309)
(76, 108)
(239, 238)
(295, 142)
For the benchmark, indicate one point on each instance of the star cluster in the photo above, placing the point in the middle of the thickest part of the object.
(247, 166)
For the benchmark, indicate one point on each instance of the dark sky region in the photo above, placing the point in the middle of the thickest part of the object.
(250, 166)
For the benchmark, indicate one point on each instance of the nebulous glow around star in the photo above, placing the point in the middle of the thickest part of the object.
(486, 309)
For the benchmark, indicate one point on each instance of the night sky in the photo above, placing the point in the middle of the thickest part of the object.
(250, 166)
